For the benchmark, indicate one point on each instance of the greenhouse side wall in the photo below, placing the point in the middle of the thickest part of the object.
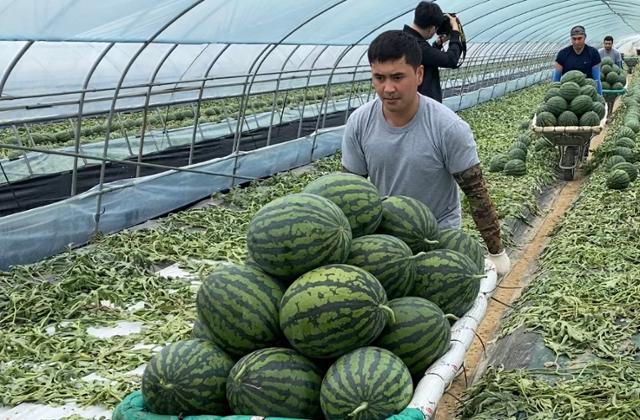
(35, 234)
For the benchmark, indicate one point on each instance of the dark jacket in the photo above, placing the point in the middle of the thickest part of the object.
(432, 58)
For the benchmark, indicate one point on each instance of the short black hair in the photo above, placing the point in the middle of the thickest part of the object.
(393, 45)
(428, 13)
(608, 38)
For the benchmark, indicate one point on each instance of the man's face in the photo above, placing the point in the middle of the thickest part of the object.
(608, 45)
(396, 83)
(577, 41)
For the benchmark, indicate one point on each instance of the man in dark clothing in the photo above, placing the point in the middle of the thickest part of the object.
(582, 57)
(427, 19)
(579, 56)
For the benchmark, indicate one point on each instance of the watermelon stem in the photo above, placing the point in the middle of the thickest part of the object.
(410, 257)
(360, 408)
(239, 373)
(430, 242)
(392, 316)
(451, 316)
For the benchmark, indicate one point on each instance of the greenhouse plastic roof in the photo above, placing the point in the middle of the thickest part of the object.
(168, 50)
(315, 22)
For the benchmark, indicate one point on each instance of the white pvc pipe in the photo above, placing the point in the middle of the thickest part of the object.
(442, 372)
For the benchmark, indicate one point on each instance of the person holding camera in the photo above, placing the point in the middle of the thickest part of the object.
(428, 20)
(409, 144)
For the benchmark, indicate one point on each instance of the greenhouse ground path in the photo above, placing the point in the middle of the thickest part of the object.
(510, 287)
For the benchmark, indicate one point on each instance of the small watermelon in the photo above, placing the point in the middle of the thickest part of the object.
(276, 382)
(410, 220)
(545, 119)
(497, 162)
(515, 167)
(200, 331)
(629, 168)
(460, 241)
(297, 233)
(187, 377)
(626, 132)
(356, 196)
(419, 335)
(448, 279)
(575, 76)
(222, 302)
(589, 119)
(332, 310)
(625, 142)
(369, 383)
(389, 259)
(618, 179)
(613, 160)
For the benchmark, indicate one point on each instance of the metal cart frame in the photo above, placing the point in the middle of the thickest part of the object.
(571, 142)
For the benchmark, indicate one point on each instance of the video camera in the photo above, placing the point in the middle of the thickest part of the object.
(446, 29)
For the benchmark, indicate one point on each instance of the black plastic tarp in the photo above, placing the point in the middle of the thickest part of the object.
(45, 189)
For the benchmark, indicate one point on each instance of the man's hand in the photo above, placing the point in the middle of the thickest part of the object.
(501, 261)
(454, 22)
(442, 39)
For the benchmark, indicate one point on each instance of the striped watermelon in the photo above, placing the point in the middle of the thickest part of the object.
(275, 382)
(410, 220)
(449, 279)
(187, 377)
(369, 383)
(459, 240)
(222, 302)
(356, 196)
(389, 259)
(419, 335)
(332, 310)
(201, 331)
(297, 233)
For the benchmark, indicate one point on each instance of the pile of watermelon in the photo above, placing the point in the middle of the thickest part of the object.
(630, 61)
(573, 101)
(612, 76)
(339, 309)
(622, 148)
(513, 162)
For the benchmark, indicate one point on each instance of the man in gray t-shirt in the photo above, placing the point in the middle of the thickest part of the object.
(609, 51)
(411, 145)
(416, 160)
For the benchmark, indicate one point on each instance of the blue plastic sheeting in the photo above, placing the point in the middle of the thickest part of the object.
(34, 234)
(337, 22)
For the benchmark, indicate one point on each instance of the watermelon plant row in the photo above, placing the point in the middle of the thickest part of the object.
(129, 124)
(47, 307)
(583, 303)
(622, 150)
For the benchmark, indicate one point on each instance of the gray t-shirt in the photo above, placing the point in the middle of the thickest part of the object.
(613, 54)
(416, 160)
